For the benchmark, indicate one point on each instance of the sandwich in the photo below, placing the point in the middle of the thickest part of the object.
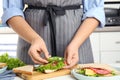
(96, 70)
(28, 69)
(2, 65)
(54, 64)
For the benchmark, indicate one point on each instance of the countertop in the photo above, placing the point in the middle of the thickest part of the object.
(108, 29)
(7, 30)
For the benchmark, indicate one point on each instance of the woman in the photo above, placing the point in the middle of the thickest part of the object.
(56, 27)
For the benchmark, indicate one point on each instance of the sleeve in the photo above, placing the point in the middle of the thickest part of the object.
(11, 8)
(94, 8)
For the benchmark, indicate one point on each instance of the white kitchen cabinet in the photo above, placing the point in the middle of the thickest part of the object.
(95, 39)
(8, 44)
(106, 47)
(110, 57)
(110, 41)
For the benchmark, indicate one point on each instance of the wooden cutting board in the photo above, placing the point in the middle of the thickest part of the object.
(42, 76)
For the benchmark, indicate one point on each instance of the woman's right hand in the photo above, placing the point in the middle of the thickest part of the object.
(37, 48)
(28, 34)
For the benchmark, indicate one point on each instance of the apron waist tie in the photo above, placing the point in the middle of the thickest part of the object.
(51, 11)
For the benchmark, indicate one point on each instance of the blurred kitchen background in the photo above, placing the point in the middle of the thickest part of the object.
(105, 41)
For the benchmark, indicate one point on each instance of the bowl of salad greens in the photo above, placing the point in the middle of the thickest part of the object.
(94, 73)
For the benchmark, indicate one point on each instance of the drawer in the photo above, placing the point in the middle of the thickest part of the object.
(110, 57)
(110, 41)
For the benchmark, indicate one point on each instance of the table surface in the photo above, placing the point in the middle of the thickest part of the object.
(69, 77)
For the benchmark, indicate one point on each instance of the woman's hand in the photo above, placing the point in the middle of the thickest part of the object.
(85, 29)
(37, 48)
(71, 56)
(28, 34)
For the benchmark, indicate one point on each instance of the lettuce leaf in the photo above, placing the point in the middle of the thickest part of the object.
(55, 63)
(11, 62)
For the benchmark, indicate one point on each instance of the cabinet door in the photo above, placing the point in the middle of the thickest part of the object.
(110, 41)
(110, 57)
(8, 43)
(94, 37)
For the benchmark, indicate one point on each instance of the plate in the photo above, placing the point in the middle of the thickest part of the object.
(115, 66)
(3, 69)
(82, 77)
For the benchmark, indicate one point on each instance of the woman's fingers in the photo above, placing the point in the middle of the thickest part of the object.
(35, 56)
(71, 58)
(73, 63)
(68, 57)
(35, 61)
(46, 53)
(38, 51)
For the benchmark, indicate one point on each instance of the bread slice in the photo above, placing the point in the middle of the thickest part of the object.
(28, 69)
(49, 71)
(97, 65)
(2, 65)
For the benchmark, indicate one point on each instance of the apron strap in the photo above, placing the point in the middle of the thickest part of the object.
(51, 11)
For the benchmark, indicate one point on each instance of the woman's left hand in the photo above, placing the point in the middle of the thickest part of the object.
(71, 56)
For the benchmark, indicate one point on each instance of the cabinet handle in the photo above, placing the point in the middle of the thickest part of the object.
(117, 42)
(117, 61)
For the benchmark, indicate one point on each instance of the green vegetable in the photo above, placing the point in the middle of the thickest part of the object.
(11, 62)
(97, 75)
(113, 73)
(55, 63)
(81, 71)
(55, 59)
